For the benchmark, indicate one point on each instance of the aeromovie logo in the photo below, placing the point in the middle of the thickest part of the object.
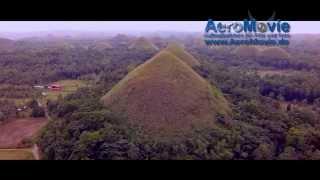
(247, 32)
(248, 26)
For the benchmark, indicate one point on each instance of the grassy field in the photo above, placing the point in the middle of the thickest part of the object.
(187, 100)
(16, 154)
(69, 86)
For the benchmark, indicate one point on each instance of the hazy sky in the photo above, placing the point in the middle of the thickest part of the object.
(124, 26)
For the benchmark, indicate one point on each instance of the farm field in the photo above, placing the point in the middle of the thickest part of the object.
(14, 133)
(16, 138)
(68, 87)
(16, 154)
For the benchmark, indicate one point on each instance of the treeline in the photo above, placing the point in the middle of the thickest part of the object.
(287, 64)
(268, 130)
(46, 66)
(9, 110)
(299, 60)
(302, 87)
(49, 65)
(17, 92)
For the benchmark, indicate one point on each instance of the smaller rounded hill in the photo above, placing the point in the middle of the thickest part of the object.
(275, 53)
(179, 51)
(6, 45)
(143, 44)
(101, 46)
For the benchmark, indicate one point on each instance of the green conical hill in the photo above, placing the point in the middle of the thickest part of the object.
(166, 97)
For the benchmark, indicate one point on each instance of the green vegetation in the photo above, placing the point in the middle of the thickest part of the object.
(37, 111)
(262, 107)
(258, 128)
(68, 87)
(187, 100)
(275, 53)
(143, 44)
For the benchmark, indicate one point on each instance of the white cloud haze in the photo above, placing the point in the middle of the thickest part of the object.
(127, 26)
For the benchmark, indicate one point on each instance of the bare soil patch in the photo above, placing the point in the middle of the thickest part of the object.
(14, 133)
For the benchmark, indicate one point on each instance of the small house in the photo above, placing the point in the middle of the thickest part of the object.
(55, 87)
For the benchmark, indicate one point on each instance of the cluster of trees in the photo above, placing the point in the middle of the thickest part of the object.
(14, 97)
(289, 88)
(292, 63)
(37, 111)
(16, 92)
(299, 59)
(258, 113)
(45, 65)
(299, 87)
(7, 109)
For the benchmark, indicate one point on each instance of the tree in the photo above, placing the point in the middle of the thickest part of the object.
(33, 104)
(317, 102)
(2, 116)
(264, 152)
(38, 112)
(289, 154)
(289, 107)
(315, 155)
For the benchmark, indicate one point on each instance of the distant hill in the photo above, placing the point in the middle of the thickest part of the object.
(101, 46)
(178, 50)
(199, 42)
(39, 44)
(143, 44)
(6, 45)
(275, 53)
(166, 97)
(120, 39)
(158, 41)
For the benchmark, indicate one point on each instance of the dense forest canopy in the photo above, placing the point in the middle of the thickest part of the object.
(275, 99)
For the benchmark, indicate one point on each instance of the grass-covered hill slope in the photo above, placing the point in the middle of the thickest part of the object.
(164, 96)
